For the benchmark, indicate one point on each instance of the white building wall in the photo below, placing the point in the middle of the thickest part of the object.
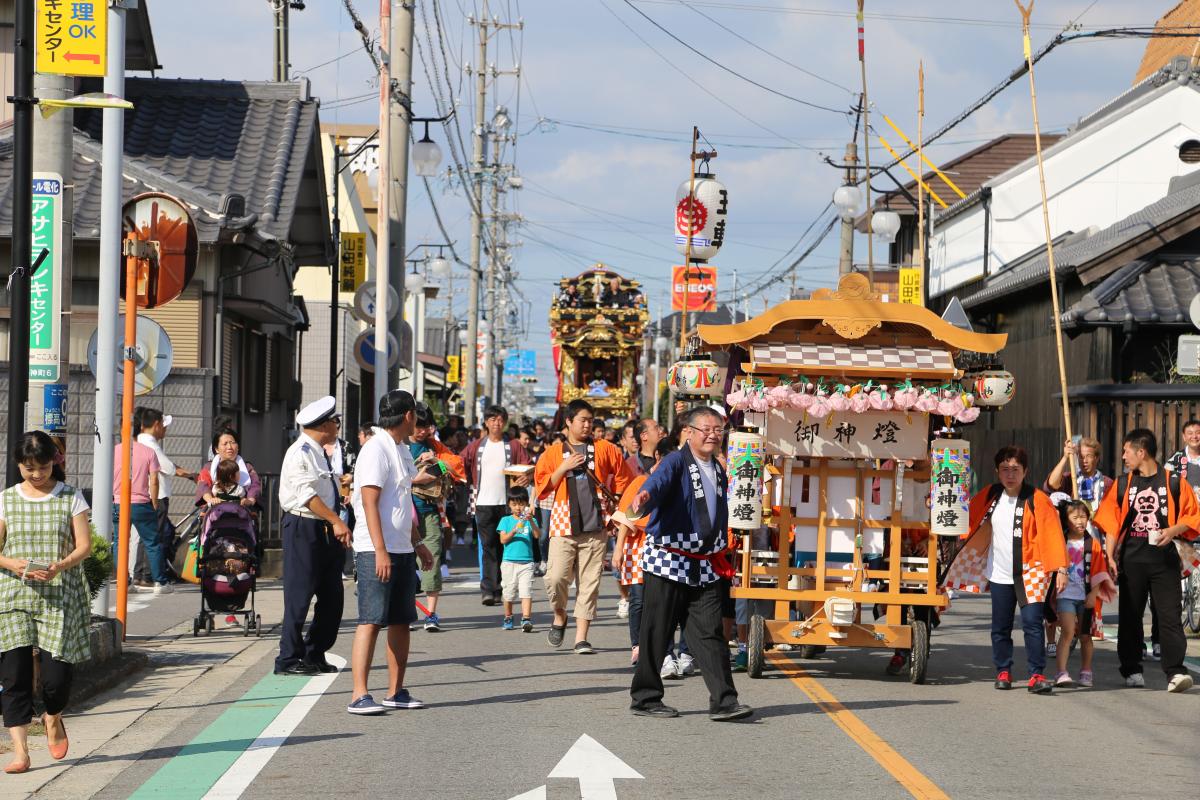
(1093, 179)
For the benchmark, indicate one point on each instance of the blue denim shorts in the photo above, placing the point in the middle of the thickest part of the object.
(391, 603)
(1076, 607)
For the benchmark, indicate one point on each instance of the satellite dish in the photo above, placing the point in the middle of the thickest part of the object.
(164, 221)
(154, 356)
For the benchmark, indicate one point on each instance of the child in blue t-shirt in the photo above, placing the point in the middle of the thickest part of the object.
(518, 531)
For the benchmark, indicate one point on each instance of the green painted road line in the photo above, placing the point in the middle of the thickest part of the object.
(202, 761)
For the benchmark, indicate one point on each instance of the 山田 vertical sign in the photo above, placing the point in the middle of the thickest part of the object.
(72, 37)
(45, 302)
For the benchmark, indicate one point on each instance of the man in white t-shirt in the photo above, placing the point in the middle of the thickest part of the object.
(152, 429)
(387, 544)
(485, 461)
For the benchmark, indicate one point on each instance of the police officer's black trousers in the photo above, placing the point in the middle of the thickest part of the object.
(312, 565)
(666, 604)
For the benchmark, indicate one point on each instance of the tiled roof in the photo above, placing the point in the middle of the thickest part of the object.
(1160, 51)
(970, 170)
(202, 141)
(1077, 251)
(1143, 292)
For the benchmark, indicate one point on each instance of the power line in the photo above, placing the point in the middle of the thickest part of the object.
(730, 70)
(689, 78)
(780, 59)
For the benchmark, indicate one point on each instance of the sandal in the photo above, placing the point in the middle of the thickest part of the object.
(57, 751)
(17, 769)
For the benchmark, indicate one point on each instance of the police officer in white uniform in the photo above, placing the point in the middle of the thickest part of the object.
(314, 542)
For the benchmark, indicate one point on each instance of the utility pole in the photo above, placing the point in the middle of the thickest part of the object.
(470, 372)
(383, 216)
(492, 386)
(401, 43)
(478, 169)
(109, 289)
(281, 39)
(54, 156)
(846, 251)
(22, 222)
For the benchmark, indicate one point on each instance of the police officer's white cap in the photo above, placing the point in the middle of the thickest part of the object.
(317, 412)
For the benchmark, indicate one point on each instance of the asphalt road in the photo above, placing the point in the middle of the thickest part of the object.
(504, 709)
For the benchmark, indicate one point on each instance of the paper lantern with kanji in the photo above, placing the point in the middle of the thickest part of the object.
(702, 216)
(949, 487)
(746, 457)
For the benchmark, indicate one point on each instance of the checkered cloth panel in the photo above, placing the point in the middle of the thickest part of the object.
(560, 516)
(967, 571)
(629, 560)
(1037, 582)
(845, 355)
(675, 567)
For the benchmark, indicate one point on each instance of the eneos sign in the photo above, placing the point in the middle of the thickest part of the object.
(700, 284)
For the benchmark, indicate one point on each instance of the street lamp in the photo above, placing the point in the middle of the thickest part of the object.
(849, 201)
(503, 353)
(439, 267)
(426, 155)
(661, 345)
(885, 225)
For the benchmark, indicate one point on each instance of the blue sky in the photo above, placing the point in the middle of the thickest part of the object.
(608, 196)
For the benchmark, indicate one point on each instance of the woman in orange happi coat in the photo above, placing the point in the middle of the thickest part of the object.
(1016, 551)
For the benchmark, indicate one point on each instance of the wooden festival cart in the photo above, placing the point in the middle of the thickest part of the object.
(844, 492)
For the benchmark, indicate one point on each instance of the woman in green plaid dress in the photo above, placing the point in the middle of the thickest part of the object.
(44, 601)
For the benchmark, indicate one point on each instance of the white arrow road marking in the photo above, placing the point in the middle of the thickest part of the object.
(239, 776)
(533, 794)
(595, 767)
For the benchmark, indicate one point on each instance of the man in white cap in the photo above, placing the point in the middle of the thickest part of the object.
(152, 427)
(314, 542)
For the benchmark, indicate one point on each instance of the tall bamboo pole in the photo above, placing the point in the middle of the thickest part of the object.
(862, 61)
(920, 181)
(687, 247)
(1026, 13)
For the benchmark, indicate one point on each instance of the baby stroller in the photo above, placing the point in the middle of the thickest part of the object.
(227, 568)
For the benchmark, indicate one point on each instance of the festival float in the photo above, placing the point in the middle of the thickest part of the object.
(597, 324)
(848, 465)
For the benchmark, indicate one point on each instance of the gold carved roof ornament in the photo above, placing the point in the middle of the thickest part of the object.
(851, 312)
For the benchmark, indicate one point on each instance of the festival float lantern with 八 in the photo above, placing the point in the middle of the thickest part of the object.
(949, 487)
(702, 216)
(746, 456)
(698, 376)
(993, 388)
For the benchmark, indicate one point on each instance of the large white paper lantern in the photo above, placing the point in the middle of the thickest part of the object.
(746, 457)
(696, 377)
(949, 487)
(702, 216)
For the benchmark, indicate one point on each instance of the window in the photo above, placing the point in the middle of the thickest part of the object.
(1189, 152)
(233, 341)
(256, 376)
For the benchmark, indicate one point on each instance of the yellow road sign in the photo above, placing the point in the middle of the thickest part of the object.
(72, 37)
(452, 373)
(353, 269)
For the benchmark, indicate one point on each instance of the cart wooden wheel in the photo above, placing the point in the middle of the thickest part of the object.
(920, 651)
(755, 644)
(811, 650)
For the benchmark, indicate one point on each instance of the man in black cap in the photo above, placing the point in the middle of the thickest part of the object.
(314, 542)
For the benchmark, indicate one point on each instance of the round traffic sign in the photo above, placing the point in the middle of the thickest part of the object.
(364, 350)
(364, 303)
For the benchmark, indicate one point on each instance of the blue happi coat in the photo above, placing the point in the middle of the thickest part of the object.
(675, 522)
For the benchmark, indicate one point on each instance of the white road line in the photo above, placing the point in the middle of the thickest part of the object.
(239, 776)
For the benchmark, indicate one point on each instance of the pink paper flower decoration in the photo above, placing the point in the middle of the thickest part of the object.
(927, 402)
(800, 401)
(838, 402)
(777, 397)
(860, 403)
(906, 398)
(968, 415)
(819, 407)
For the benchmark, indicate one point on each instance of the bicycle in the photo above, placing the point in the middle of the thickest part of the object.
(1191, 602)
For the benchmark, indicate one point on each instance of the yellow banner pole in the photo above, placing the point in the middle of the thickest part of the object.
(920, 183)
(921, 157)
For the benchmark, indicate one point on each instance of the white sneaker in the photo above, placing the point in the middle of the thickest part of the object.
(668, 668)
(685, 665)
(445, 572)
(459, 540)
(623, 609)
(164, 588)
(1136, 681)
(1156, 652)
(1180, 683)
